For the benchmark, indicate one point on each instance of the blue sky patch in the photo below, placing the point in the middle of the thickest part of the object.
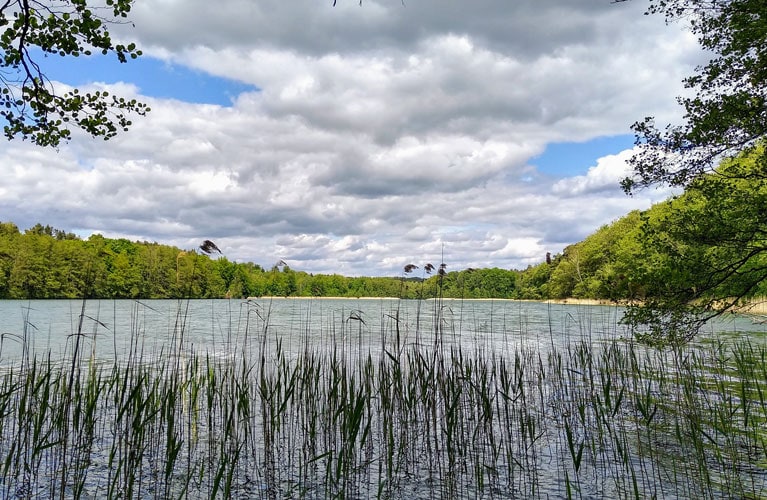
(154, 77)
(575, 158)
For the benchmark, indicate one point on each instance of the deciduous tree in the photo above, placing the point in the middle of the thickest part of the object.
(32, 106)
(725, 120)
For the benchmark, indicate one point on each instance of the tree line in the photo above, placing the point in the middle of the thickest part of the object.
(705, 248)
(43, 262)
(707, 244)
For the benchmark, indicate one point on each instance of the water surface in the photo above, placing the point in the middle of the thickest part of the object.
(111, 328)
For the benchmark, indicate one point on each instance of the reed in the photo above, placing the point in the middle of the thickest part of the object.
(345, 420)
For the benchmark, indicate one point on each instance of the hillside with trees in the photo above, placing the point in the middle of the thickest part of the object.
(678, 264)
(713, 249)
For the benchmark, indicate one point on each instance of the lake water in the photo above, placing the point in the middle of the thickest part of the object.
(110, 328)
(479, 412)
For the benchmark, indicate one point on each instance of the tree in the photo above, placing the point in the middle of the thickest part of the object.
(715, 235)
(727, 115)
(123, 275)
(32, 106)
(9, 236)
(710, 251)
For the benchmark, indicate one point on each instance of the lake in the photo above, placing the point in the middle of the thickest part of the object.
(227, 327)
(364, 398)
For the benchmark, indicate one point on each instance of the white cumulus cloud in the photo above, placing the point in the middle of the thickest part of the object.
(375, 135)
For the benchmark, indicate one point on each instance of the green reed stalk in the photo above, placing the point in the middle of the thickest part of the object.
(607, 420)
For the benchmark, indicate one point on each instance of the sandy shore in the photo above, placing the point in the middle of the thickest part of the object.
(570, 301)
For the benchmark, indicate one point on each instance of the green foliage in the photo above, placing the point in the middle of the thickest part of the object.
(726, 112)
(45, 262)
(677, 264)
(486, 283)
(712, 238)
(603, 266)
(711, 250)
(534, 281)
(32, 107)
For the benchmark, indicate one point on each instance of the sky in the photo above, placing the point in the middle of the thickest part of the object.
(356, 139)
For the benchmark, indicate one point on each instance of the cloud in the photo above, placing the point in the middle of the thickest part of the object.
(606, 175)
(381, 134)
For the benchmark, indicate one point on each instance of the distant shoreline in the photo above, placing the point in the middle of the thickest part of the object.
(569, 301)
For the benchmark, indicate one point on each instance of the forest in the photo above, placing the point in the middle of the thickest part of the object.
(48, 263)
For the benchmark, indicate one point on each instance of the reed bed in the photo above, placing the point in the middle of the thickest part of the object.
(425, 419)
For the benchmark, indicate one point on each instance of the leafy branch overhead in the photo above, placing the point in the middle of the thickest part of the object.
(32, 106)
(726, 114)
(715, 236)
